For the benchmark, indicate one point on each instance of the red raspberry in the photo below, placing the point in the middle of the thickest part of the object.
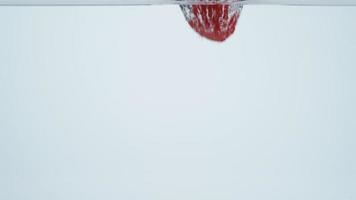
(215, 22)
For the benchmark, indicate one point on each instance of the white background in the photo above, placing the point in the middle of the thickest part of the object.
(130, 103)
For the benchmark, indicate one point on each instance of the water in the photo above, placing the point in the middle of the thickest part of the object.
(214, 20)
(130, 103)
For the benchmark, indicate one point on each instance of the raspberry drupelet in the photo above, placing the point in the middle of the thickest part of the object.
(216, 21)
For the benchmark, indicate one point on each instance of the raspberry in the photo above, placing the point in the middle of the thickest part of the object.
(216, 21)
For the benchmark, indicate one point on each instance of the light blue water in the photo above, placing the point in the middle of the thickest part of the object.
(129, 103)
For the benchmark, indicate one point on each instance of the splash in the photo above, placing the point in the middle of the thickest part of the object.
(216, 22)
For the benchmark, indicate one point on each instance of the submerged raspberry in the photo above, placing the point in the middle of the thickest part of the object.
(215, 22)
